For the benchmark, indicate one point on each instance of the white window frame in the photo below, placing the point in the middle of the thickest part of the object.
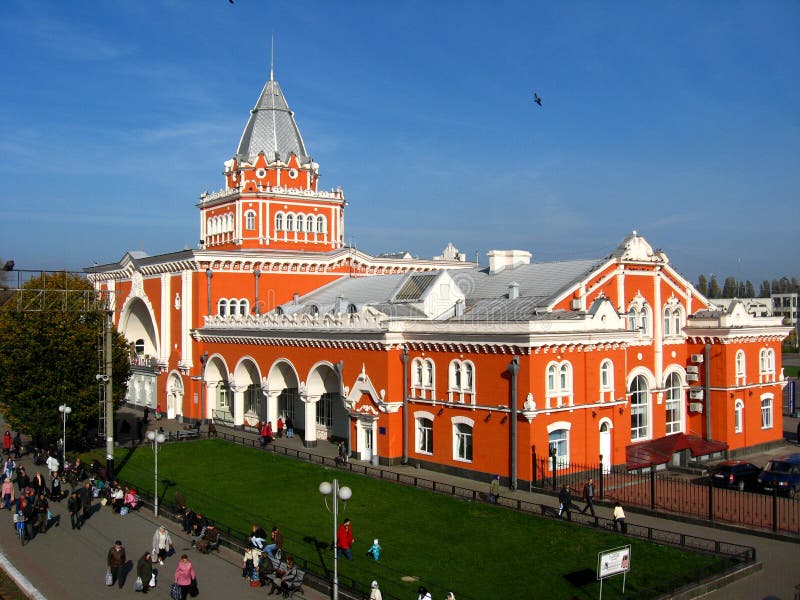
(420, 436)
(461, 381)
(767, 421)
(559, 384)
(222, 307)
(641, 431)
(738, 416)
(606, 380)
(562, 445)
(741, 367)
(673, 401)
(250, 220)
(278, 222)
(458, 436)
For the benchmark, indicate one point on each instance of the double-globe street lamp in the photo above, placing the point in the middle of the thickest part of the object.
(155, 438)
(64, 410)
(344, 493)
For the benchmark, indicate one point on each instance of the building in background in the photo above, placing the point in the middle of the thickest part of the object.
(443, 363)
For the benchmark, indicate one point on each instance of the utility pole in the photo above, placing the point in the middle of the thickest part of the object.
(109, 399)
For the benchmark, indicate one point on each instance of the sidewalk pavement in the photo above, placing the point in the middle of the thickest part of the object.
(66, 564)
(70, 565)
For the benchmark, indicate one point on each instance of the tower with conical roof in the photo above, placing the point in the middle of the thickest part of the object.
(271, 199)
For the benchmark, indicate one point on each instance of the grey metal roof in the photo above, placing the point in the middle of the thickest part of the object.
(271, 129)
(486, 294)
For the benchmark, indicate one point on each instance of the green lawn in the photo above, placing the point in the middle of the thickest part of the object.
(472, 549)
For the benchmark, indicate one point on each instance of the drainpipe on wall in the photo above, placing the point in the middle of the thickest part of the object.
(257, 308)
(209, 275)
(707, 389)
(513, 368)
(404, 358)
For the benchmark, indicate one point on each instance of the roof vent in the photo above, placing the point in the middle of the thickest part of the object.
(513, 290)
(296, 298)
(505, 259)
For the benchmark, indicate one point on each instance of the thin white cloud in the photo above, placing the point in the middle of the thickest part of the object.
(68, 41)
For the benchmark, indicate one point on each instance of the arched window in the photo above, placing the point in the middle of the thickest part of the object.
(250, 220)
(467, 377)
(640, 408)
(633, 317)
(740, 364)
(644, 321)
(289, 222)
(607, 376)
(222, 307)
(252, 399)
(771, 361)
(279, 222)
(674, 404)
(552, 379)
(462, 380)
(138, 347)
(428, 380)
(300, 221)
(279, 310)
(229, 222)
(462, 442)
(558, 443)
(209, 227)
(244, 307)
(677, 321)
(738, 416)
(417, 371)
(320, 224)
(351, 309)
(667, 322)
(456, 383)
(766, 411)
(310, 224)
(233, 306)
(559, 383)
(565, 378)
(313, 310)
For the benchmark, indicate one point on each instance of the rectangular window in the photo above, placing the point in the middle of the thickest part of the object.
(325, 410)
(224, 397)
(766, 413)
(252, 399)
(463, 442)
(673, 416)
(425, 436)
(557, 440)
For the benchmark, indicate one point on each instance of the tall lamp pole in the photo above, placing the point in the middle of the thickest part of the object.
(345, 493)
(156, 439)
(64, 410)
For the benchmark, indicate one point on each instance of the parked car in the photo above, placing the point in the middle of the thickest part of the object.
(783, 474)
(735, 474)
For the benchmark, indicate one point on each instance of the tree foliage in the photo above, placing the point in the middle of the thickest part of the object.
(49, 355)
(733, 288)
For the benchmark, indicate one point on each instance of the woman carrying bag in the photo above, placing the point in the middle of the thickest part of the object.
(185, 581)
(162, 544)
(144, 573)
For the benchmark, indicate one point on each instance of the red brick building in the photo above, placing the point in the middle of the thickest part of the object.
(440, 362)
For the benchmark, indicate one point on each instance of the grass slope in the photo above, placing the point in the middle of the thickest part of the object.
(472, 549)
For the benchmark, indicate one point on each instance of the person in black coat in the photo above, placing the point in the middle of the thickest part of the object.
(23, 480)
(565, 501)
(144, 570)
(74, 508)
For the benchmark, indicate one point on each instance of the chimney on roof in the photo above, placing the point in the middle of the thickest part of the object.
(500, 260)
(458, 309)
(513, 290)
(296, 298)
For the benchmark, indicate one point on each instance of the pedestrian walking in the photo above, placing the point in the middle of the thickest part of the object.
(588, 496)
(344, 539)
(116, 561)
(619, 518)
(565, 501)
(185, 577)
(289, 427)
(144, 570)
(7, 440)
(162, 544)
(375, 592)
(17, 443)
(85, 494)
(280, 427)
(8, 468)
(375, 549)
(494, 489)
(52, 464)
(7, 493)
(74, 508)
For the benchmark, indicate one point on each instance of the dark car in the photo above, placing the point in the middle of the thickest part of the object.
(783, 474)
(735, 474)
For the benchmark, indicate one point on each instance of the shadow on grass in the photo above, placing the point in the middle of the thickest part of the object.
(318, 548)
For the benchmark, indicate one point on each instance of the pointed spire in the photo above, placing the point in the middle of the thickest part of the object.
(272, 60)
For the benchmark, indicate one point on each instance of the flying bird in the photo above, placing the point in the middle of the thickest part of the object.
(537, 99)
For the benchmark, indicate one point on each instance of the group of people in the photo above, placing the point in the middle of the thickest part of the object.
(266, 434)
(184, 580)
(565, 505)
(261, 563)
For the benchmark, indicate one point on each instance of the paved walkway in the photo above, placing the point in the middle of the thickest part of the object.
(65, 564)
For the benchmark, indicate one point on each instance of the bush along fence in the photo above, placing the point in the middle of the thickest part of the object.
(664, 491)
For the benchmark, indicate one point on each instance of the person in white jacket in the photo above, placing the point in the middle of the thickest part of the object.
(52, 464)
(162, 544)
(375, 593)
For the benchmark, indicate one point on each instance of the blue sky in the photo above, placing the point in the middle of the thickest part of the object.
(677, 119)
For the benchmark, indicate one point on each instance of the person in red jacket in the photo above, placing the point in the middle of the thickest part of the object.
(344, 539)
(7, 443)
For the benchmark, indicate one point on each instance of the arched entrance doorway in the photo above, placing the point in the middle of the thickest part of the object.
(605, 444)
(174, 396)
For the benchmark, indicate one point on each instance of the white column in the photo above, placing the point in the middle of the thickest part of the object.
(238, 403)
(310, 434)
(186, 317)
(658, 333)
(164, 320)
(621, 304)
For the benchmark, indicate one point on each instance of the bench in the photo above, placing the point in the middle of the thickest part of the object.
(223, 418)
(187, 434)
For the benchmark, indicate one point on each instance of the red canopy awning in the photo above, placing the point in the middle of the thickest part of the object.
(660, 451)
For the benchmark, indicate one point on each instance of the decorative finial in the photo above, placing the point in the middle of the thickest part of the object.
(272, 60)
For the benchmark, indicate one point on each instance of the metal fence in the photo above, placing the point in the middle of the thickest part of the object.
(681, 494)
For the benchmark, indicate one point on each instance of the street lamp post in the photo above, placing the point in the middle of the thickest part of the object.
(332, 489)
(64, 410)
(156, 438)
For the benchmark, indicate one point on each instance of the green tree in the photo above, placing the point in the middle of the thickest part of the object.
(49, 356)
(713, 288)
(766, 290)
(728, 288)
(702, 285)
(749, 289)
